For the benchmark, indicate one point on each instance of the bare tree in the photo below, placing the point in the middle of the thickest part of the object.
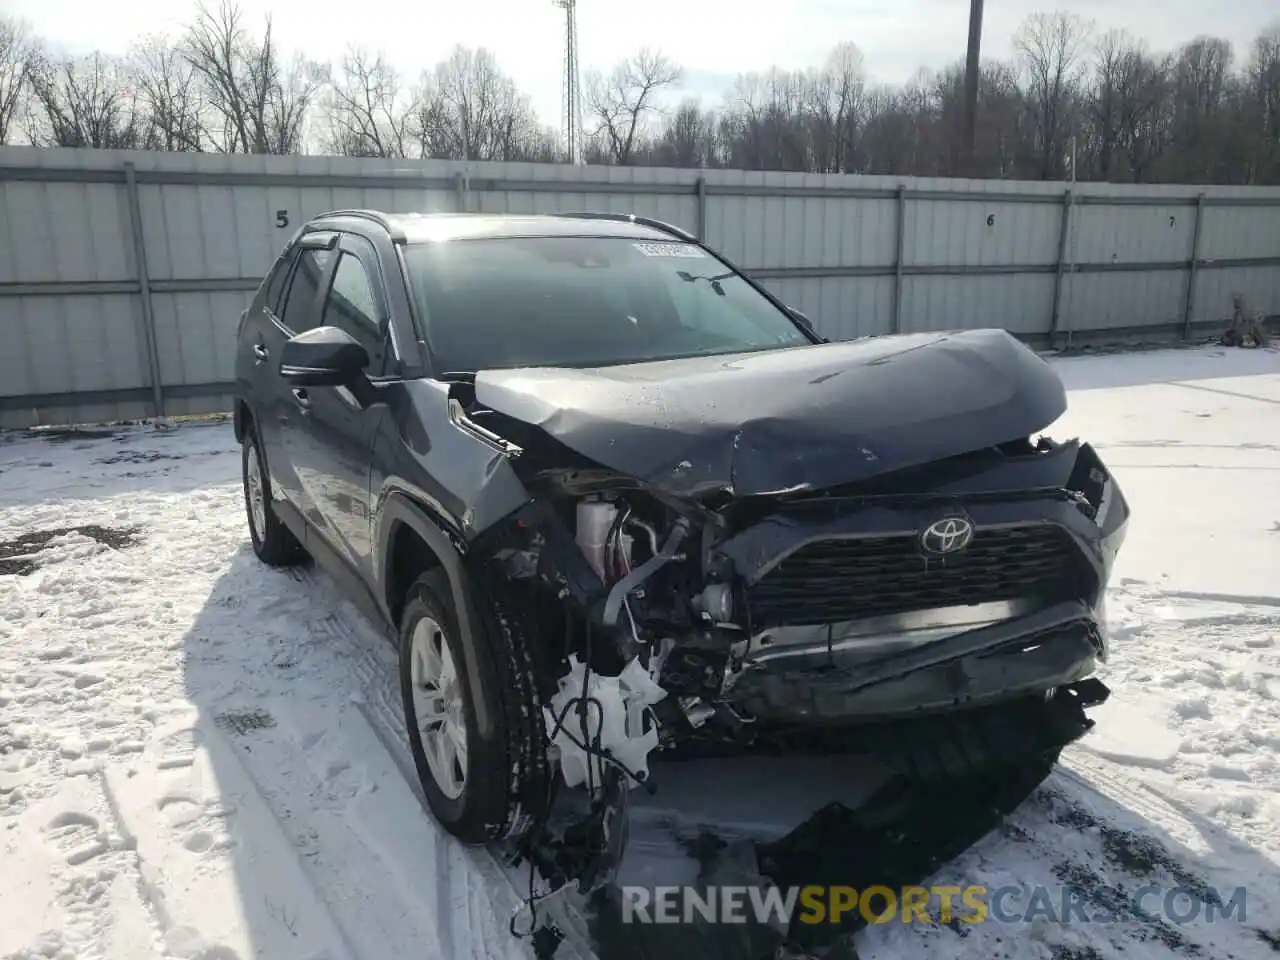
(1000, 146)
(834, 99)
(258, 101)
(1262, 106)
(622, 102)
(168, 90)
(1202, 90)
(887, 133)
(1190, 115)
(688, 140)
(85, 102)
(16, 53)
(1104, 109)
(467, 108)
(1050, 50)
(369, 113)
(768, 121)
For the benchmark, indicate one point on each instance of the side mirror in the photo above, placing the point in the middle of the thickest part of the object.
(323, 357)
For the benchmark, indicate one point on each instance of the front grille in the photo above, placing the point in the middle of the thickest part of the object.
(830, 581)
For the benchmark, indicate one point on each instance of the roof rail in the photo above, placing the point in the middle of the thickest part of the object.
(379, 218)
(653, 224)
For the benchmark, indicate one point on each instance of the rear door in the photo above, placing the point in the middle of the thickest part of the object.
(259, 336)
(254, 321)
(299, 311)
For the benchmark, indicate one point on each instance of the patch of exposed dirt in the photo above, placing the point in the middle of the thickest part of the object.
(241, 722)
(21, 556)
(1140, 856)
(138, 456)
(67, 434)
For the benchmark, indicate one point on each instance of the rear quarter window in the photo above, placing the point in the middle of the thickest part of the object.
(273, 285)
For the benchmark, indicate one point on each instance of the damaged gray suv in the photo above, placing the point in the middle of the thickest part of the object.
(621, 506)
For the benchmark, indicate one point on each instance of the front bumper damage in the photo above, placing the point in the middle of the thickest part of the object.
(849, 621)
(1042, 651)
(846, 640)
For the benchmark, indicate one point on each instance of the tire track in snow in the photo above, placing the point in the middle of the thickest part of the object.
(1143, 839)
(327, 777)
(459, 871)
(215, 863)
(82, 869)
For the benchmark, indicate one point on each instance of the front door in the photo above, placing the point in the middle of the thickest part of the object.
(331, 445)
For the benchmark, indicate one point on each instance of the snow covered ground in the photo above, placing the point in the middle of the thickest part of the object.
(202, 758)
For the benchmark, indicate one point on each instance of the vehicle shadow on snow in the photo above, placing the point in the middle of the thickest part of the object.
(281, 672)
(311, 804)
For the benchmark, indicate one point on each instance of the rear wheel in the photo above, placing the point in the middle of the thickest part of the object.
(479, 790)
(273, 542)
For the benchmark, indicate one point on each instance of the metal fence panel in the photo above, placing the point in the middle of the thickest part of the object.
(965, 233)
(1122, 301)
(1231, 233)
(849, 307)
(1019, 303)
(195, 333)
(104, 319)
(1147, 234)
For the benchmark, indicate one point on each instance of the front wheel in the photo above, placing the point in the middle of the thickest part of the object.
(273, 542)
(481, 791)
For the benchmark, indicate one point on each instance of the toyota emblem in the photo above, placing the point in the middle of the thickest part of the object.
(946, 535)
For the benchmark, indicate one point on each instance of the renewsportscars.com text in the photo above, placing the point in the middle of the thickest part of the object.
(935, 904)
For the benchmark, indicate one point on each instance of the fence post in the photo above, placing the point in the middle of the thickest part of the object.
(144, 286)
(460, 189)
(1191, 270)
(900, 240)
(702, 208)
(1064, 231)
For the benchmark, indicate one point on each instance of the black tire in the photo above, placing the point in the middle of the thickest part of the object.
(505, 788)
(274, 543)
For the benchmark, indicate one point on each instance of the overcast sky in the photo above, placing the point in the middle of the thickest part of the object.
(712, 39)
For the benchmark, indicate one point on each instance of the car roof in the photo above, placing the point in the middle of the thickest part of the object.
(435, 227)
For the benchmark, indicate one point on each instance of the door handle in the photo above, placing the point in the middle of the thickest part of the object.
(260, 354)
(300, 395)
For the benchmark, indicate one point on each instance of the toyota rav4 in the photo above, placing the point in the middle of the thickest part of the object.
(619, 504)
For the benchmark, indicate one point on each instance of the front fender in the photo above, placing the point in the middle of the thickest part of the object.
(449, 483)
(396, 509)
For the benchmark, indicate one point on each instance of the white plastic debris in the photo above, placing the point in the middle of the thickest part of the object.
(618, 722)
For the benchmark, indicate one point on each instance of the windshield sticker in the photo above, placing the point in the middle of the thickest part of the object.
(685, 251)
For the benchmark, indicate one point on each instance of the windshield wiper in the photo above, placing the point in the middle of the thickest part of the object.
(714, 281)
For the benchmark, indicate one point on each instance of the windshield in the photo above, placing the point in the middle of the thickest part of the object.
(584, 301)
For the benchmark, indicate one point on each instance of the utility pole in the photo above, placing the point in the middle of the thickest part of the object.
(572, 125)
(969, 162)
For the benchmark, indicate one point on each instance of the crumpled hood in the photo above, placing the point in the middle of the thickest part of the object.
(793, 419)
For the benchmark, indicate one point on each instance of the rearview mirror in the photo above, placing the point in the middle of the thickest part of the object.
(322, 357)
